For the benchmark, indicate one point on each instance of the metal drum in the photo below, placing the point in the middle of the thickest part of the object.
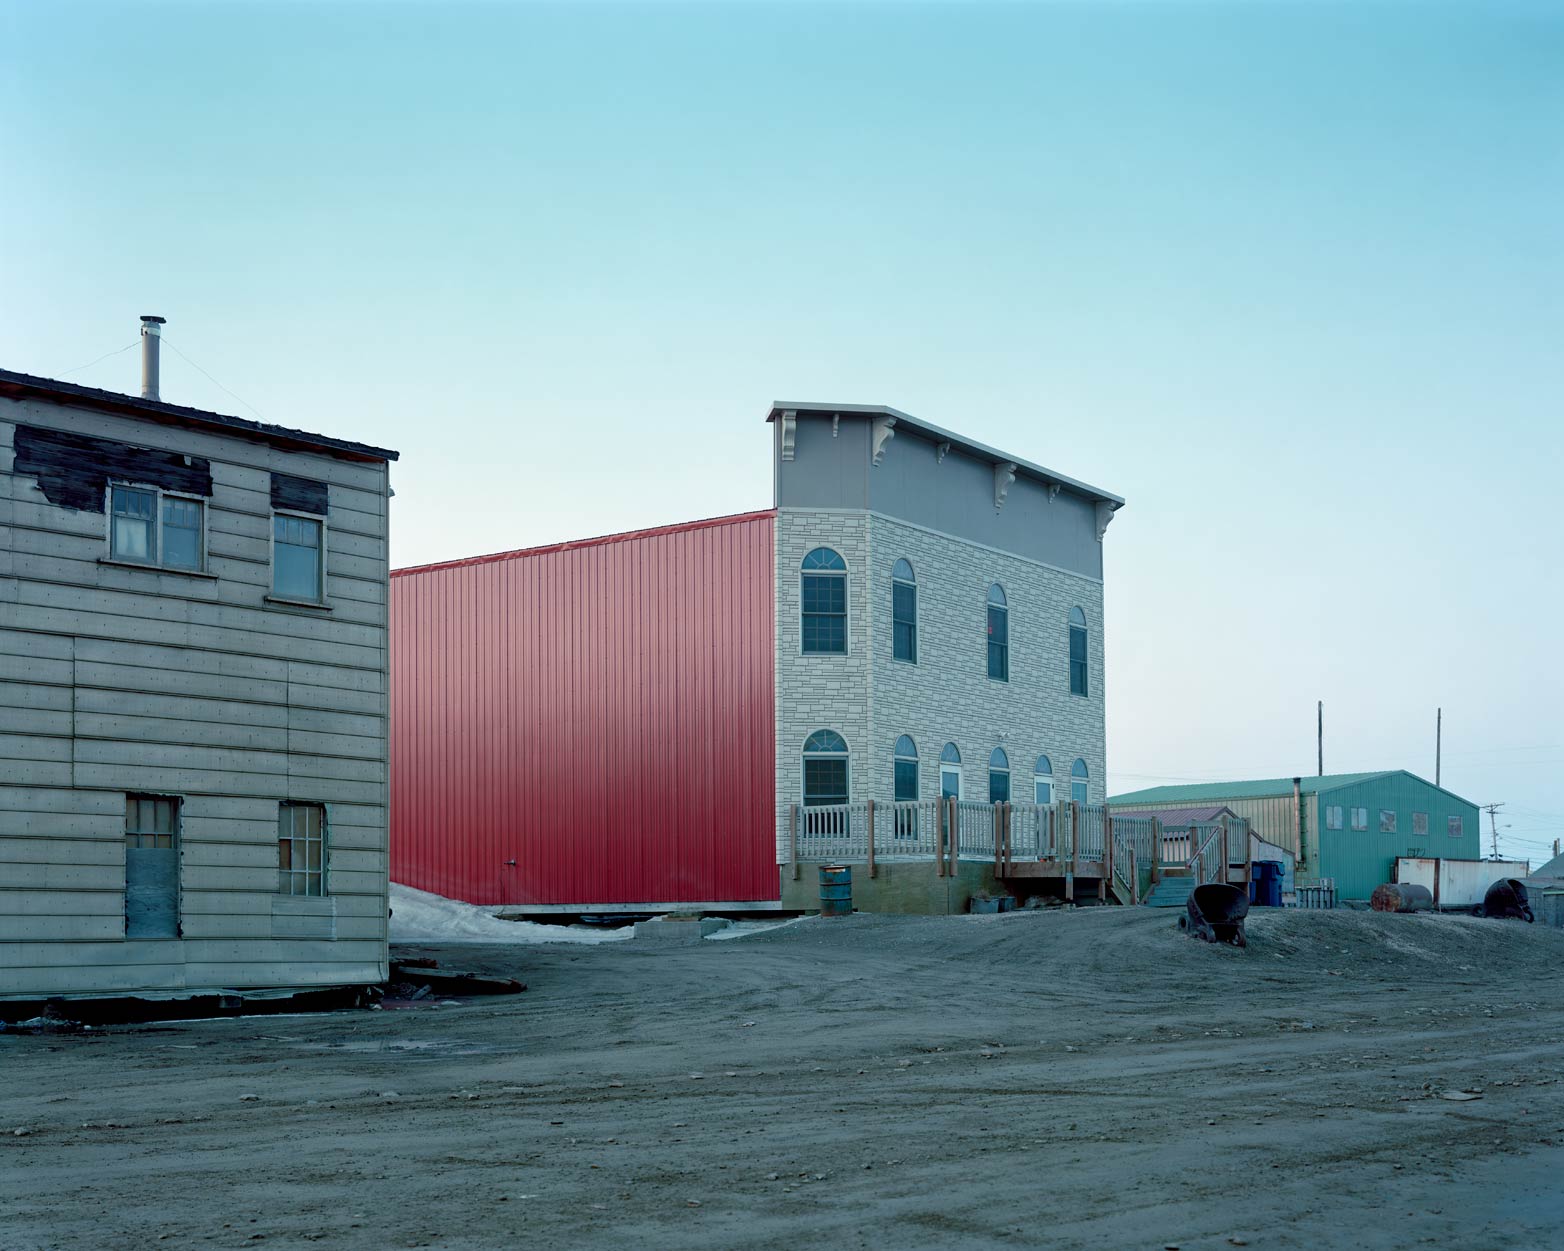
(836, 890)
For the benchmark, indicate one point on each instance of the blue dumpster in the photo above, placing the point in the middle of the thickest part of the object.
(1265, 884)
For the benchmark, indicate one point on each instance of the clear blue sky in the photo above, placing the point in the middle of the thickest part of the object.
(1289, 278)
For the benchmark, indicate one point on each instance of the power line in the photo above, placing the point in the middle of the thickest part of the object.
(214, 381)
(104, 357)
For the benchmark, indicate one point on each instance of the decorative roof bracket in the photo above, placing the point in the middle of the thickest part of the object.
(884, 432)
(1004, 475)
(789, 432)
(1104, 516)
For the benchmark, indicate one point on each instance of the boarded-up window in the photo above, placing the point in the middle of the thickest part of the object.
(1420, 825)
(1387, 821)
(151, 866)
(1455, 827)
(1333, 817)
(301, 849)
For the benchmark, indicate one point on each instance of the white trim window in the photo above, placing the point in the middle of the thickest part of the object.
(905, 770)
(1078, 779)
(998, 776)
(950, 772)
(1387, 820)
(825, 769)
(904, 613)
(1043, 781)
(299, 557)
(823, 603)
(1079, 669)
(1455, 827)
(1333, 816)
(301, 849)
(1360, 820)
(151, 526)
(998, 634)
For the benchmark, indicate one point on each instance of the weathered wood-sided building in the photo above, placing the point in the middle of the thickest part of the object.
(193, 725)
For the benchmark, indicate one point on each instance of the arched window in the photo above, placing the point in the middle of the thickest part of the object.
(823, 599)
(950, 772)
(825, 769)
(906, 770)
(1043, 781)
(998, 635)
(1078, 776)
(1078, 667)
(904, 613)
(998, 777)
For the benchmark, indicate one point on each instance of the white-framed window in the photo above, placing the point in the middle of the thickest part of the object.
(1078, 779)
(950, 772)
(299, 557)
(1419, 825)
(998, 776)
(1333, 817)
(151, 526)
(1078, 667)
(998, 634)
(1360, 819)
(823, 603)
(825, 769)
(1387, 820)
(1455, 827)
(301, 849)
(1043, 781)
(905, 768)
(904, 613)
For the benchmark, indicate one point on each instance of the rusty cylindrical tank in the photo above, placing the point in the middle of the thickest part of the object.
(1401, 897)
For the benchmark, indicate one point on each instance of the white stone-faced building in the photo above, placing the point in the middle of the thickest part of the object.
(939, 617)
(193, 719)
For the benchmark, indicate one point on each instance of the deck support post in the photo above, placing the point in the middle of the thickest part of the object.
(1107, 847)
(1156, 851)
(939, 837)
(871, 838)
(999, 835)
(955, 834)
(792, 838)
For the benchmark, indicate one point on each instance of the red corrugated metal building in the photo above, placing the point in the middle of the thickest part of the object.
(590, 723)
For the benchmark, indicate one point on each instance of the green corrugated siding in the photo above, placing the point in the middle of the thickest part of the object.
(1360, 860)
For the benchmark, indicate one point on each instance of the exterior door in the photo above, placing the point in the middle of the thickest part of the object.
(151, 866)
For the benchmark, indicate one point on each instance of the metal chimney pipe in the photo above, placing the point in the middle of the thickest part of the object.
(151, 334)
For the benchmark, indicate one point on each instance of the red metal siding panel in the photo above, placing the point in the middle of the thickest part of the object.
(600, 712)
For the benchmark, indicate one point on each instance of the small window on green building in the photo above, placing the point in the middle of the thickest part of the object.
(1387, 821)
(1420, 825)
(1333, 817)
(1455, 827)
(1360, 819)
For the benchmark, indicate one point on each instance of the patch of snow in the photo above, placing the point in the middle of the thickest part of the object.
(743, 929)
(420, 917)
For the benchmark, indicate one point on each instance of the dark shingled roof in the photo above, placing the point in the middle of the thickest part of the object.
(17, 386)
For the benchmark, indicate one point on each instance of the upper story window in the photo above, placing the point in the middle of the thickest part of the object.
(906, 769)
(998, 777)
(1360, 819)
(149, 526)
(1078, 779)
(823, 595)
(1078, 666)
(1043, 781)
(950, 772)
(904, 613)
(298, 558)
(825, 769)
(998, 634)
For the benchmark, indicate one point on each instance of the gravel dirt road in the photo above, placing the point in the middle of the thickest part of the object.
(1073, 1079)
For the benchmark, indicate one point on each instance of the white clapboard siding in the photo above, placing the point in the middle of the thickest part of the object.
(117, 680)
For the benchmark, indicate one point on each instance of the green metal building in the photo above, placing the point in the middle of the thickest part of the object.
(1349, 827)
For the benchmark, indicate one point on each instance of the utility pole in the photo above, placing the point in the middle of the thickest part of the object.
(1439, 742)
(1493, 824)
(1319, 734)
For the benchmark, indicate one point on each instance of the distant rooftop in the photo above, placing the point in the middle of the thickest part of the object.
(1219, 792)
(17, 386)
(981, 450)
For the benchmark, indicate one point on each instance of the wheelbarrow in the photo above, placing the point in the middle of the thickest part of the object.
(1216, 912)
